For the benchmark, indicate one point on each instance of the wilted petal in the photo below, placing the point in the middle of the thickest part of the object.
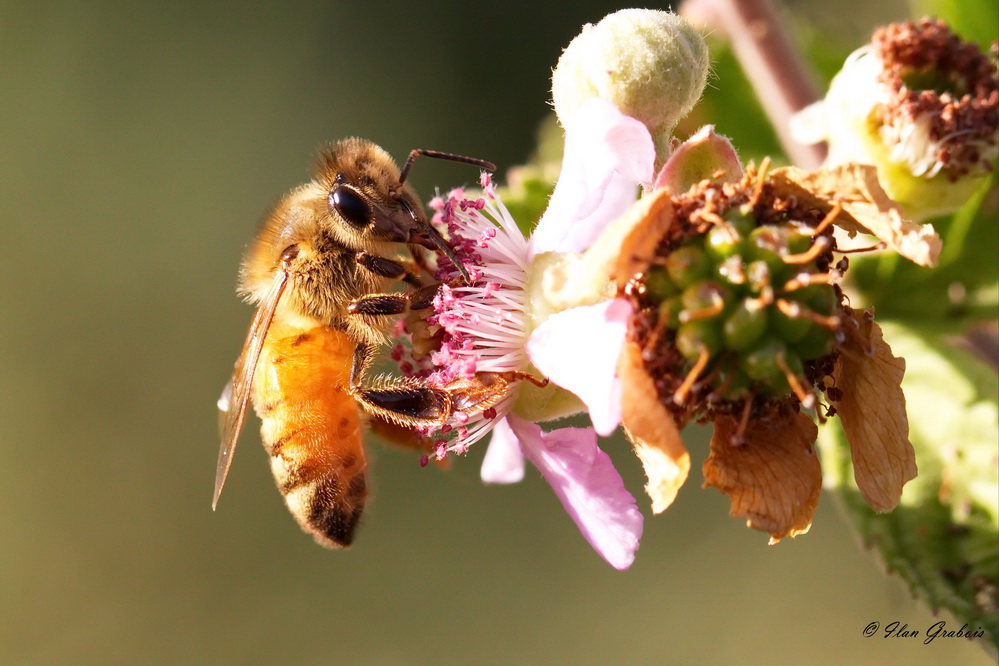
(866, 207)
(590, 489)
(578, 350)
(504, 461)
(607, 155)
(704, 156)
(872, 411)
(651, 430)
(773, 478)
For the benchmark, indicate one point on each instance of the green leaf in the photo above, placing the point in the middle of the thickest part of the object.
(961, 290)
(943, 538)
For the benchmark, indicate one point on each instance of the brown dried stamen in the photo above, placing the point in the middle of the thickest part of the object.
(803, 280)
(680, 396)
(827, 220)
(821, 245)
(880, 245)
(761, 179)
(796, 310)
(806, 399)
(739, 437)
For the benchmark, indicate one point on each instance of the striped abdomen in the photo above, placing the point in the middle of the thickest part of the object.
(312, 429)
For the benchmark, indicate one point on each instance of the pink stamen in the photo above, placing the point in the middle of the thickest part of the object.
(440, 449)
(476, 327)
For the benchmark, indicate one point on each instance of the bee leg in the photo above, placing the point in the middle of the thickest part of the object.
(399, 435)
(379, 304)
(423, 298)
(399, 401)
(388, 268)
(420, 298)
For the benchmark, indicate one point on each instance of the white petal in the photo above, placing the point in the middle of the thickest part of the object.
(578, 349)
(808, 126)
(504, 461)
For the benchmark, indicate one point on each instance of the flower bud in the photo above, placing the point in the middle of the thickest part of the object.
(652, 65)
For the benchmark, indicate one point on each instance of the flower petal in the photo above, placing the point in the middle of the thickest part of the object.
(607, 155)
(872, 411)
(578, 349)
(590, 489)
(773, 477)
(867, 208)
(651, 430)
(504, 461)
(808, 125)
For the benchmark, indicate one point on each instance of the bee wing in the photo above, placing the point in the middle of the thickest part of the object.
(236, 394)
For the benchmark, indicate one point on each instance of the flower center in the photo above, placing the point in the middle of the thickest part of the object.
(738, 314)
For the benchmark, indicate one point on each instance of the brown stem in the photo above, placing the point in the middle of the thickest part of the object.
(773, 66)
(983, 342)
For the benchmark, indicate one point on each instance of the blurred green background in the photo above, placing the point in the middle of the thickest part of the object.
(139, 144)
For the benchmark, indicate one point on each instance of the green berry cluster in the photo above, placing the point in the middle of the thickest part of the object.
(748, 305)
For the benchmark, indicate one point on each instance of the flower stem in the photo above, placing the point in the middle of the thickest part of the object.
(773, 66)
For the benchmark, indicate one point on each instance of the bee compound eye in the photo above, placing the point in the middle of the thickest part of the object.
(350, 205)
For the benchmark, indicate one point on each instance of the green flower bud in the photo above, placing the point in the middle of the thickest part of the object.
(652, 65)
(659, 284)
(694, 337)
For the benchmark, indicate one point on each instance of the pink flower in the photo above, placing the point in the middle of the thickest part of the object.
(607, 156)
(585, 481)
(503, 324)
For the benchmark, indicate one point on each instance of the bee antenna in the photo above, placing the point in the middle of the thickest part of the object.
(413, 154)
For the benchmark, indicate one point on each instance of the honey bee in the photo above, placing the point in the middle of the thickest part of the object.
(320, 271)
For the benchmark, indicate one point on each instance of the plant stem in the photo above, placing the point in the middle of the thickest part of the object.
(772, 64)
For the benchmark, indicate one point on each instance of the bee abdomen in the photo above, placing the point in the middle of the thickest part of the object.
(329, 509)
(319, 467)
(312, 430)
